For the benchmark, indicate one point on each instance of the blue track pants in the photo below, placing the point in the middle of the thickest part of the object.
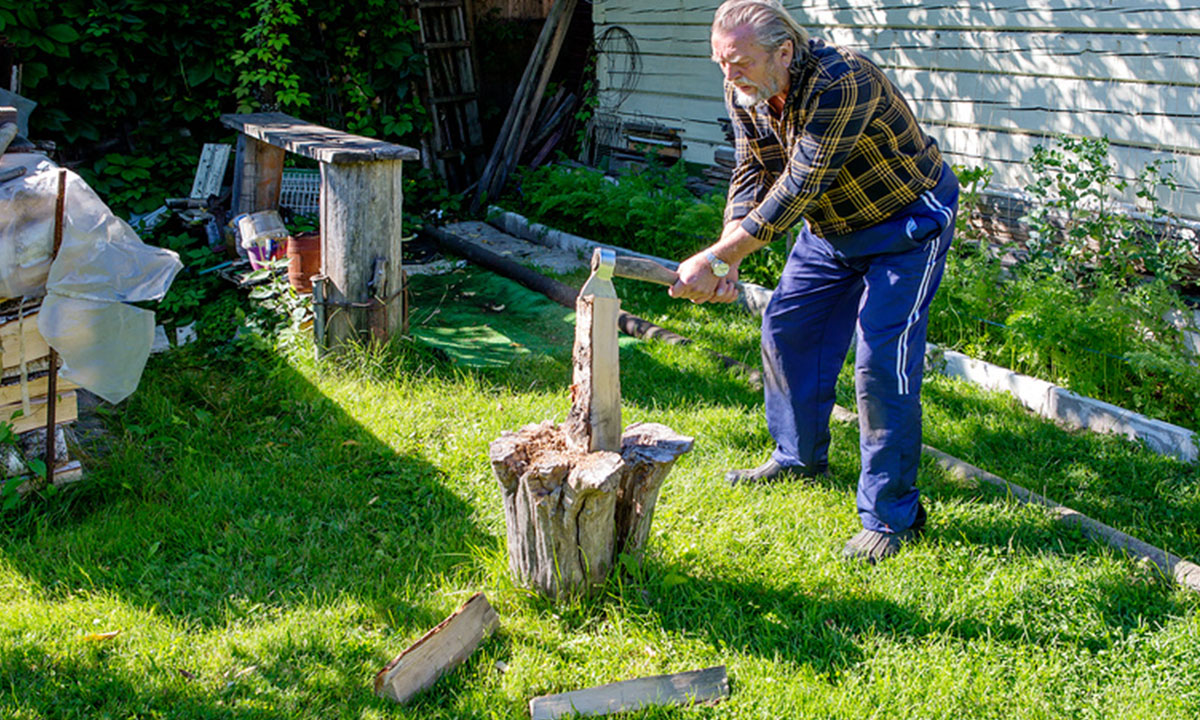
(879, 281)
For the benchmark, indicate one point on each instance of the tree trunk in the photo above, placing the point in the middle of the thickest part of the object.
(571, 513)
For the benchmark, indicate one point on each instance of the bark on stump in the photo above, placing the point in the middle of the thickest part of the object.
(571, 513)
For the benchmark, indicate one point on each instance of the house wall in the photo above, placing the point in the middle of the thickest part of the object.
(988, 81)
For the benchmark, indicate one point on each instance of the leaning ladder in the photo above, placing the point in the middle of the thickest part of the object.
(452, 94)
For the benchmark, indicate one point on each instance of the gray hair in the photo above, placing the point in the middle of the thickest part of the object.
(771, 23)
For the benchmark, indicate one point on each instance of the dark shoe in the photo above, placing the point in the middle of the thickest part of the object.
(770, 472)
(874, 546)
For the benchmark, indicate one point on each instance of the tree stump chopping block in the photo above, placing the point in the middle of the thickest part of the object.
(571, 513)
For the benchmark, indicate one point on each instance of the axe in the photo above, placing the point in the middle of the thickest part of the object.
(606, 263)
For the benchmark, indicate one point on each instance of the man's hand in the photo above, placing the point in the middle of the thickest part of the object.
(696, 280)
(698, 284)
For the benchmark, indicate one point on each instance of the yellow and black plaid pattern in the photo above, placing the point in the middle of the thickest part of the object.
(846, 153)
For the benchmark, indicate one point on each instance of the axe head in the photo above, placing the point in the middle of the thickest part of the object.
(599, 283)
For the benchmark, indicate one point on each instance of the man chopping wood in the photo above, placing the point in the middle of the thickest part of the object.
(825, 141)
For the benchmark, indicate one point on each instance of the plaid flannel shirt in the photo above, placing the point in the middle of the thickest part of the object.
(846, 154)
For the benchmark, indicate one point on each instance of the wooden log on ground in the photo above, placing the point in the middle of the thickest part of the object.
(686, 688)
(438, 651)
(571, 513)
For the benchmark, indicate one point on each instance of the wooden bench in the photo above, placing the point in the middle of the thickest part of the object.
(362, 285)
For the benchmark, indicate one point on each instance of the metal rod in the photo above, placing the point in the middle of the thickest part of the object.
(318, 300)
(52, 389)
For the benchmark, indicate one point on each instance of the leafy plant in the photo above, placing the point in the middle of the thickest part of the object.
(192, 287)
(266, 80)
(1080, 228)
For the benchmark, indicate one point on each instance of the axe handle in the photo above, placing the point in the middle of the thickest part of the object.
(636, 268)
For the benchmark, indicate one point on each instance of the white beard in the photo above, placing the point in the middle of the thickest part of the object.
(759, 94)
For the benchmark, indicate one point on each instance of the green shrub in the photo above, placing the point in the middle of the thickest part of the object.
(651, 211)
(1079, 309)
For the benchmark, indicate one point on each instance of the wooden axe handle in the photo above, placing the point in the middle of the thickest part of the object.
(636, 268)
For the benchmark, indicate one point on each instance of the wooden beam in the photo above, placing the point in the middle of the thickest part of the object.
(11, 392)
(438, 651)
(594, 423)
(686, 688)
(315, 141)
(65, 474)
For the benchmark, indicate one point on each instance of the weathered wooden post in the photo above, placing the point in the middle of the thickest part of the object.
(578, 495)
(361, 206)
(257, 177)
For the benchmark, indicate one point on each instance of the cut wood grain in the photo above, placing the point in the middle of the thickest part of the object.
(258, 176)
(685, 688)
(438, 651)
(315, 141)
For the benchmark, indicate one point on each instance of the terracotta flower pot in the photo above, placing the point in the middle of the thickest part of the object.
(304, 259)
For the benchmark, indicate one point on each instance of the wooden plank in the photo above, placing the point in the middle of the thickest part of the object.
(686, 688)
(21, 341)
(66, 410)
(11, 392)
(315, 141)
(258, 177)
(1159, 60)
(438, 651)
(1168, 115)
(594, 422)
(64, 474)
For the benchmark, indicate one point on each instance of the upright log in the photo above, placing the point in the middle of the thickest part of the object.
(360, 250)
(258, 176)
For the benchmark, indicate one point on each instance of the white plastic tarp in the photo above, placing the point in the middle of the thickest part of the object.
(101, 265)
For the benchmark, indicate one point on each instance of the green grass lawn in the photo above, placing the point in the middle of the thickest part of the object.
(266, 534)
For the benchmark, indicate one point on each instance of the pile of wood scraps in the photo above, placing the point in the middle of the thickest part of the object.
(722, 170)
(636, 141)
(26, 403)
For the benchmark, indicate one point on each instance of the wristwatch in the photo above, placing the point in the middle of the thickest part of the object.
(720, 268)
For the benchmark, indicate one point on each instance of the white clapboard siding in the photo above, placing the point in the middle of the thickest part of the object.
(989, 81)
(1123, 16)
(1162, 60)
(1153, 116)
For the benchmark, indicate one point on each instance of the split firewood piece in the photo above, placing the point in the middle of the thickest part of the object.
(438, 651)
(686, 688)
(594, 422)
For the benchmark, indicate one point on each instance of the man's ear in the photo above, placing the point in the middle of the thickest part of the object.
(787, 51)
